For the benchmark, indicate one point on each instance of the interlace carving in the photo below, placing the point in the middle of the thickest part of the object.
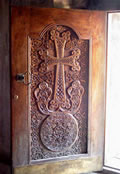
(59, 102)
(58, 92)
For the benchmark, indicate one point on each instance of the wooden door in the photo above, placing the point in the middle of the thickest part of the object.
(58, 73)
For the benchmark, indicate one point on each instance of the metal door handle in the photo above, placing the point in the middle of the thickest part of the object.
(23, 77)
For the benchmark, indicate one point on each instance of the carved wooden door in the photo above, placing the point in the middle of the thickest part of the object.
(58, 62)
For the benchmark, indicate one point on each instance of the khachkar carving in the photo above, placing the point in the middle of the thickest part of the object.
(57, 98)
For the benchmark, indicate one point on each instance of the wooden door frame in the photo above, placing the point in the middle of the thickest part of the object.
(5, 110)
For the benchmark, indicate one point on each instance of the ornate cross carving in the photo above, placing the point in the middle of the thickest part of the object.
(59, 99)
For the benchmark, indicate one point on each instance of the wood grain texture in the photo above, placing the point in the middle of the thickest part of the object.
(33, 20)
(4, 82)
(63, 167)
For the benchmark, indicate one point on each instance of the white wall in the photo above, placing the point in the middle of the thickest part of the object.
(112, 141)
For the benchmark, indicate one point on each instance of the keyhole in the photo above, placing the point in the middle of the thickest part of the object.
(20, 77)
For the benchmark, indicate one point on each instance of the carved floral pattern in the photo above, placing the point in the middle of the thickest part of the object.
(59, 93)
(53, 129)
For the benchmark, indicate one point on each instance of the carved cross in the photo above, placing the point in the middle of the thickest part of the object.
(59, 97)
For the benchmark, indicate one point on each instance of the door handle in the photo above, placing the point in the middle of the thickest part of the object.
(23, 78)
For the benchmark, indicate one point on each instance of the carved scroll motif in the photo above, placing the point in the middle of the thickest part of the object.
(60, 102)
(58, 52)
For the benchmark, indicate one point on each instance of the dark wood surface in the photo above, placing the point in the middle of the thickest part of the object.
(33, 20)
(5, 169)
(4, 83)
(39, 3)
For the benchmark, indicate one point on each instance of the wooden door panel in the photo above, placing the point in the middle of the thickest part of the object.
(60, 115)
(59, 92)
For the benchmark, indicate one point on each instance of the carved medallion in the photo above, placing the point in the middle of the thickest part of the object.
(57, 90)
(59, 131)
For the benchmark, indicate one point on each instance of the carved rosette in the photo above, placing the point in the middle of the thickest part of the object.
(57, 93)
(59, 131)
